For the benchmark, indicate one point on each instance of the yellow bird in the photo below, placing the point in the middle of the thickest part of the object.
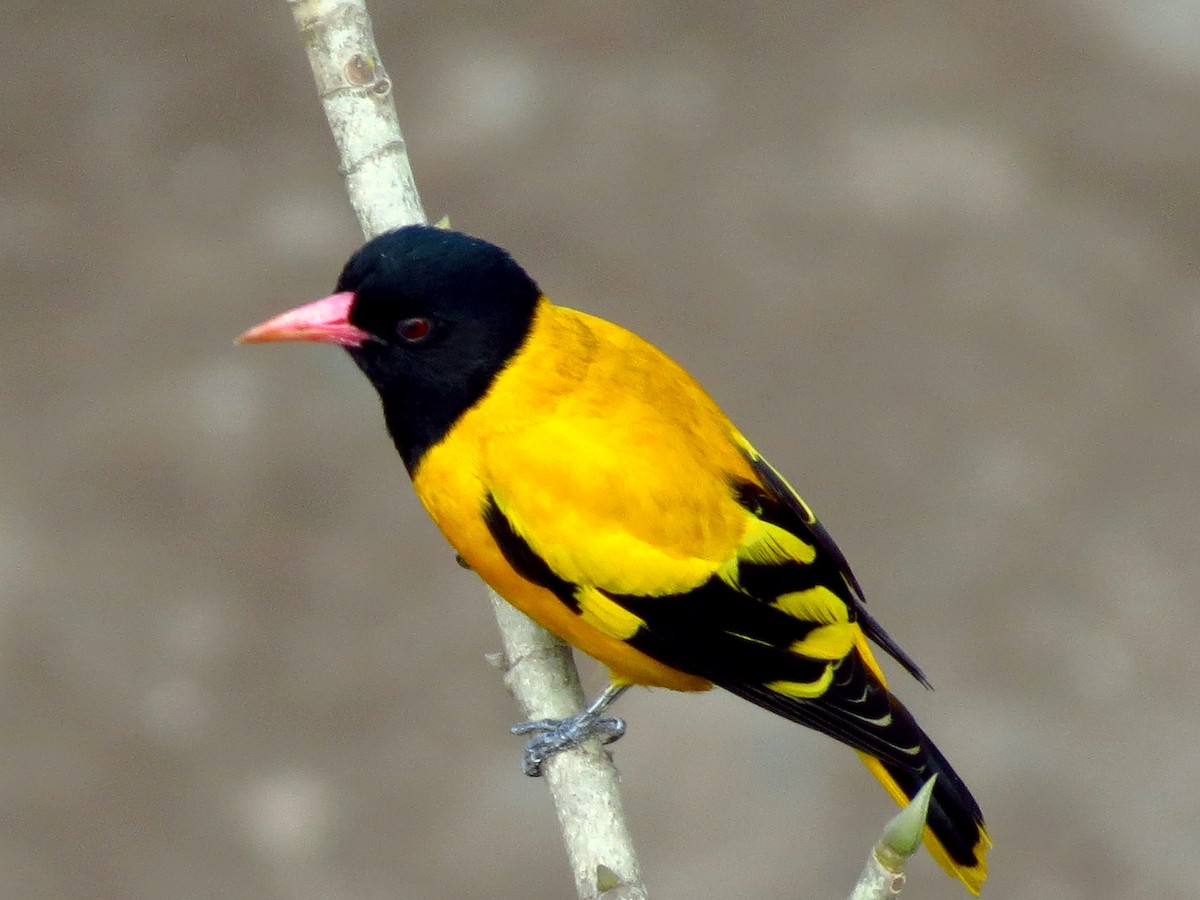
(597, 487)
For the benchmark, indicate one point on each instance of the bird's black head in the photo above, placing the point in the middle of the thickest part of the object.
(431, 316)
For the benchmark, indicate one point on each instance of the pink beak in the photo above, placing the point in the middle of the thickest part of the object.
(326, 321)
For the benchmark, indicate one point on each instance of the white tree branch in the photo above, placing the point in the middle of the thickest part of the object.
(356, 93)
(583, 781)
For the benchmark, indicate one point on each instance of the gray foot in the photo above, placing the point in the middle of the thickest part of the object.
(557, 735)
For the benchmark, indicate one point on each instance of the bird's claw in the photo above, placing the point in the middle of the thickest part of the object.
(556, 735)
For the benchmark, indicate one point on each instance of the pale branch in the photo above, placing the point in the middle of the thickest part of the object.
(583, 781)
(356, 93)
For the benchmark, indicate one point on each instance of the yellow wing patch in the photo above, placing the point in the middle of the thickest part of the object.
(765, 544)
(607, 615)
(805, 690)
(769, 544)
(828, 641)
(818, 604)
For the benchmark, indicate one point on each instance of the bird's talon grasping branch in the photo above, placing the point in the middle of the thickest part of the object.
(556, 735)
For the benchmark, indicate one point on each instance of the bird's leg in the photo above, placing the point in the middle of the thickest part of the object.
(557, 735)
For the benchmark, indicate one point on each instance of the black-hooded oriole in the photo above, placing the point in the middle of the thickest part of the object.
(597, 487)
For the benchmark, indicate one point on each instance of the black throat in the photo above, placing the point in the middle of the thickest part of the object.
(419, 419)
(427, 401)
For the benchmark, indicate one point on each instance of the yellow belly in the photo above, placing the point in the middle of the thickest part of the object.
(456, 505)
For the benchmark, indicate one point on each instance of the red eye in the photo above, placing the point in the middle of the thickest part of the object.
(414, 330)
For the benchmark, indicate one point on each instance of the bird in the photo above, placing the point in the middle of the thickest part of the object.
(597, 487)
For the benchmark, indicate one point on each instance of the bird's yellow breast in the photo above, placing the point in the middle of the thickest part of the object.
(611, 459)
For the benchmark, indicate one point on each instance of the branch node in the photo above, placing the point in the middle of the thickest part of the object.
(359, 70)
(391, 148)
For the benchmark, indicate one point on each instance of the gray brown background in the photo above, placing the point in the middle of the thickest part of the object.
(937, 259)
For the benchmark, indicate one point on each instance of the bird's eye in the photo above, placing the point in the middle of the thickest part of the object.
(414, 330)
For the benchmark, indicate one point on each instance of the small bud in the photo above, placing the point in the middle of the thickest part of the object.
(606, 878)
(902, 836)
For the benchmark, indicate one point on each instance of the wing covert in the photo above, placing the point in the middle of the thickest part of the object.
(788, 508)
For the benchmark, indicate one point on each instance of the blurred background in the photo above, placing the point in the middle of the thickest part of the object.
(937, 259)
